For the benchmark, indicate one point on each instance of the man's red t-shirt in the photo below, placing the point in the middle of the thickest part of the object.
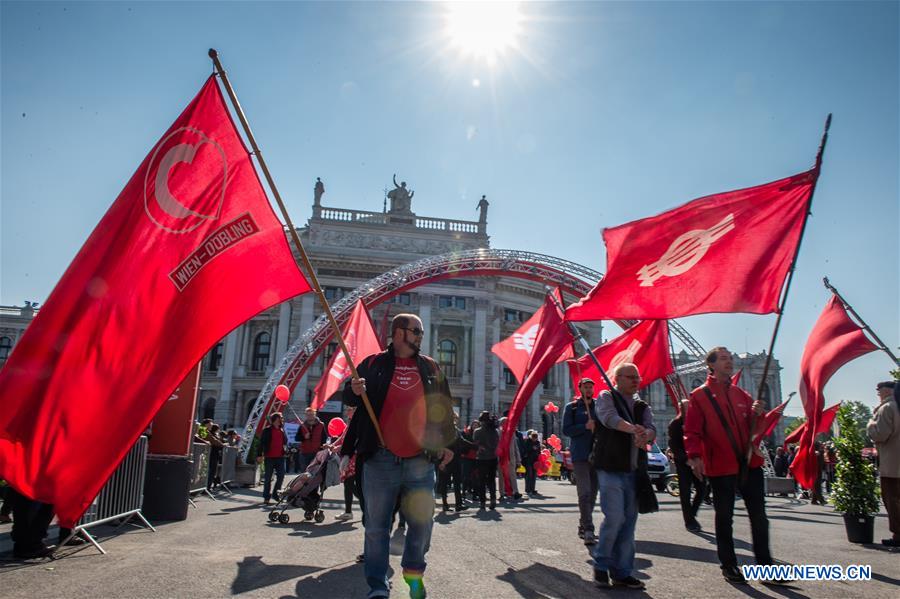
(276, 445)
(402, 417)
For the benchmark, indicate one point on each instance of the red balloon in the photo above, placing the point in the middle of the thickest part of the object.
(282, 393)
(336, 426)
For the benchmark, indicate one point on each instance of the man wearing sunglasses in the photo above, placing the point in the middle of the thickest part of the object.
(412, 403)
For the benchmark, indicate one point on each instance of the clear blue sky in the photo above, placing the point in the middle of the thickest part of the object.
(600, 114)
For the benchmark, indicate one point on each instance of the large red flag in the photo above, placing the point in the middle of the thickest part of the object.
(728, 252)
(552, 339)
(361, 339)
(646, 345)
(825, 422)
(516, 349)
(834, 341)
(188, 251)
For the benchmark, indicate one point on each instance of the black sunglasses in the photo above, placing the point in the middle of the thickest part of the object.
(417, 332)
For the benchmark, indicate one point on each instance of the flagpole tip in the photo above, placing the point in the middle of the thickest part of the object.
(213, 54)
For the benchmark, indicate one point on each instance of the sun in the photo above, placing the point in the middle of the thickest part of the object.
(483, 30)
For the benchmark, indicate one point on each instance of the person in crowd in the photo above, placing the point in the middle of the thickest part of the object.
(216, 447)
(579, 425)
(830, 463)
(530, 455)
(311, 436)
(816, 492)
(717, 433)
(6, 508)
(272, 448)
(884, 430)
(687, 482)
(780, 463)
(451, 473)
(411, 401)
(515, 460)
(487, 437)
(469, 468)
(625, 425)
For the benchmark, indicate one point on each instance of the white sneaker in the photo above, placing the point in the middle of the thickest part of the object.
(344, 516)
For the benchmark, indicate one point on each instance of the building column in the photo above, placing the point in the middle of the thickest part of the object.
(281, 337)
(495, 368)
(224, 405)
(478, 373)
(425, 315)
(534, 408)
(307, 304)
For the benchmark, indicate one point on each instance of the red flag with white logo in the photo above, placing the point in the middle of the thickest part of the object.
(516, 349)
(728, 252)
(834, 341)
(646, 345)
(552, 339)
(359, 335)
(188, 251)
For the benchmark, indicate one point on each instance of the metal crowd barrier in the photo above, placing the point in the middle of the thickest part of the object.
(119, 499)
(228, 467)
(200, 457)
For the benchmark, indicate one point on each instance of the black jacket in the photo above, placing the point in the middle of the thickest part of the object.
(378, 370)
(612, 448)
(676, 439)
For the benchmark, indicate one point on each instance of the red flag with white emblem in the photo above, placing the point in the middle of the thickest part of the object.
(728, 252)
(552, 340)
(516, 350)
(359, 335)
(834, 341)
(646, 345)
(188, 251)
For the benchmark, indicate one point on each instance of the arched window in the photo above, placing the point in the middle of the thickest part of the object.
(209, 407)
(5, 347)
(447, 357)
(261, 347)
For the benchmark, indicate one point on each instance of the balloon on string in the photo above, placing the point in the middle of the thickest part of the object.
(554, 442)
(282, 393)
(336, 427)
(551, 408)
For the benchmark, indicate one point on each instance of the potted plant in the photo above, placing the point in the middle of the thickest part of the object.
(855, 490)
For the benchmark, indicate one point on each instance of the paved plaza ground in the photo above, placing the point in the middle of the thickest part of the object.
(227, 547)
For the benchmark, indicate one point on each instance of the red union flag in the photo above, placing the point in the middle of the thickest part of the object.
(188, 251)
(552, 339)
(516, 349)
(728, 252)
(825, 422)
(834, 341)
(359, 335)
(646, 345)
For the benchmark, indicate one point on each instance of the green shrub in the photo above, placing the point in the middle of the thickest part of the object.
(855, 490)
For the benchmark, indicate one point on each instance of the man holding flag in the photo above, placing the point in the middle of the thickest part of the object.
(717, 432)
(578, 425)
(411, 400)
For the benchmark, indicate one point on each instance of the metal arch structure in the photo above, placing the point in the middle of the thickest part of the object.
(570, 277)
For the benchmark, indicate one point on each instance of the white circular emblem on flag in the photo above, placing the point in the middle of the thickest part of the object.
(184, 185)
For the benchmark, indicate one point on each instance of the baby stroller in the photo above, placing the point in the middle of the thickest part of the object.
(305, 490)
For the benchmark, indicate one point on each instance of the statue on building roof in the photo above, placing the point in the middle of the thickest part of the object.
(400, 197)
(482, 210)
(318, 192)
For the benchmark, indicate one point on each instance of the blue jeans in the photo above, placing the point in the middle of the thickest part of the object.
(385, 478)
(614, 551)
(270, 466)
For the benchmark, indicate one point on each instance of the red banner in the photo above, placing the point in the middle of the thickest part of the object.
(825, 422)
(646, 345)
(359, 335)
(188, 251)
(728, 252)
(834, 341)
(516, 350)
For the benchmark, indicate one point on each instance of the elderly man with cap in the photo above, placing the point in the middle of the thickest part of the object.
(578, 425)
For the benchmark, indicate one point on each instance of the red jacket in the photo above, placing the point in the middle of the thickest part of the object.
(316, 433)
(704, 436)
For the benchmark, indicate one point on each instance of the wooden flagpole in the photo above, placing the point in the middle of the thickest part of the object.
(787, 287)
(862, 322)
(293, 233)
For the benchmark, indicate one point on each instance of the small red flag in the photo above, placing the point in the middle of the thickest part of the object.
(736, 377)
(188, 251)
(551, 340)
(362, 341)
(834, 341)
(516, 350)
(769, 421)
(646, 345)
(825, 422)
(728, 252)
